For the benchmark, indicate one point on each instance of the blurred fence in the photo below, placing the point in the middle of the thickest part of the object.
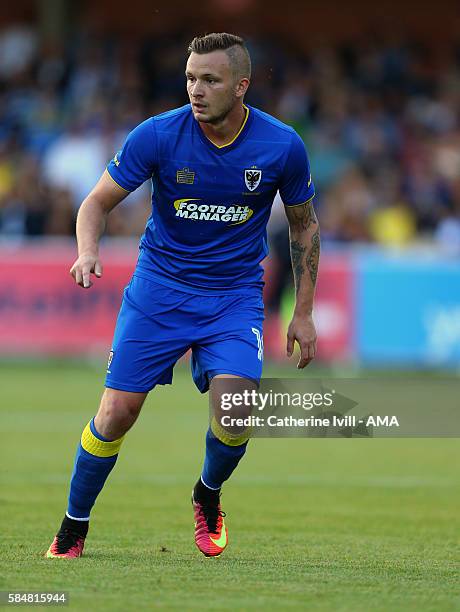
(373, 307)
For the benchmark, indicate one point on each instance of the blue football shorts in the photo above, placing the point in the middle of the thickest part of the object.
(157, 325)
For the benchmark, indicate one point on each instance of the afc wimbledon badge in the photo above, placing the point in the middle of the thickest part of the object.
(252, 178)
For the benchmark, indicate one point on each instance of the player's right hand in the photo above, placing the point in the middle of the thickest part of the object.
(82, 269)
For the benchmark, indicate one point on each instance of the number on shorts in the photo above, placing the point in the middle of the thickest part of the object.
(260, 343)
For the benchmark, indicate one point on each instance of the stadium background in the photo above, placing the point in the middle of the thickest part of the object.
(374, 90)
(376, 100)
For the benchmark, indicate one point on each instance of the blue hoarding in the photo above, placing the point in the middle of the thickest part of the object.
(407, 309)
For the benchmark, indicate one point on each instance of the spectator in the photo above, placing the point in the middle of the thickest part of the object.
(380, 115)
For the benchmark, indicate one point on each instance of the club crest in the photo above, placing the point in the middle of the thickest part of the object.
(252, 178)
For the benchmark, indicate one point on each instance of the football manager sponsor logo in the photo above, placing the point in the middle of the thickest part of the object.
(190, 208)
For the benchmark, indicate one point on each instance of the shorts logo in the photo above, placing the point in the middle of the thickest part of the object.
(109, 362)
(116, 161)
(185, 176)
(252, 178)
(260, 343)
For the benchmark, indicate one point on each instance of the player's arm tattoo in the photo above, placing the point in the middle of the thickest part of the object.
(297, 258)
(313, 257)
(304, 242)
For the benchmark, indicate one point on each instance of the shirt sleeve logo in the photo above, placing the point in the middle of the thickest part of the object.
(185, 176)
(252, 178)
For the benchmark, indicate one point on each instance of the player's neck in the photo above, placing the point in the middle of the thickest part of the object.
(224, 132)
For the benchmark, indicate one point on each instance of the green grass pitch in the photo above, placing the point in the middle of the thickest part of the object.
(314, 524)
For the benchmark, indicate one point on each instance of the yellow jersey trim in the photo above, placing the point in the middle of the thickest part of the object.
(227, 144)
(99, 448)
(300, 203)
(127, 190)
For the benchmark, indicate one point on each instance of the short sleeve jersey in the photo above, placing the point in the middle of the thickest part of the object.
(210, 204)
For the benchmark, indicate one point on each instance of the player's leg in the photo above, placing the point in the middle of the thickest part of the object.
(225, 446)
(229, 359)
(147, 343)
(98, 450)
(96, 456)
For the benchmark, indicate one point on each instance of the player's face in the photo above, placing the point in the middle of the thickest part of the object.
(211, 85)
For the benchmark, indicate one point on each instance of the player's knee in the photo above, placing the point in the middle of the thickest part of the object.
(119, 410)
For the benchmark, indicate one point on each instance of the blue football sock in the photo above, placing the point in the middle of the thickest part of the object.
(220, 461)
(94, 461)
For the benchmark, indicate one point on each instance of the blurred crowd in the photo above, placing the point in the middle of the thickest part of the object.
(380, 117)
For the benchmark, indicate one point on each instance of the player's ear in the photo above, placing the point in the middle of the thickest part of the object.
(241, 87)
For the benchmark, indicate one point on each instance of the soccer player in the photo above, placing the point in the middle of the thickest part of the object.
(216, 165)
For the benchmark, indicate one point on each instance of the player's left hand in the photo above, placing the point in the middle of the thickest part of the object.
(302, 329)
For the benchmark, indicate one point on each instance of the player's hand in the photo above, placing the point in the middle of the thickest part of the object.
(302, 329)
(84, 267)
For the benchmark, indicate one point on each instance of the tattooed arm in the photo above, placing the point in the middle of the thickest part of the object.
(305, 247)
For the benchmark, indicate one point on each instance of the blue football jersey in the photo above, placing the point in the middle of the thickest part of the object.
(210, 204)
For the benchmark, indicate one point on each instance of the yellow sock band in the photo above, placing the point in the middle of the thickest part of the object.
(228, 438)
(97, 447)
